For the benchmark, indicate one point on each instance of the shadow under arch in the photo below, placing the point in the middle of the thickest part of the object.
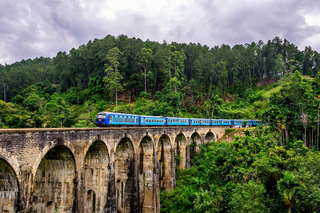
(91, 142)
(124, 175)
(164, 161)
(180, 150)
(9, 187)
(209, 137)
(45, 151)
(145, 168)
(53, 184)
(194, 143)
(96, 176)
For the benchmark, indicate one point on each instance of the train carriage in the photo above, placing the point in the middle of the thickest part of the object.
(152, 120)
(216, 122)
(226, 122)
(177, 121)
(256, 122)
(200, 122)
(115, 119)
(249, 122)
(237, 122)
(122, 119)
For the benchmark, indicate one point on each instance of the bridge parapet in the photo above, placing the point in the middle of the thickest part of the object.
(94, 169)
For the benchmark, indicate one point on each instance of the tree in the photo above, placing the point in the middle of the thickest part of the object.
(287, 187)
(214, 101)
(58, 111)
(280, 67)
(145, 60)
(113, 76)
(248, 197)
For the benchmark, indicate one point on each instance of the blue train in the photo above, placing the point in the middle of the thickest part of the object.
(121, 119)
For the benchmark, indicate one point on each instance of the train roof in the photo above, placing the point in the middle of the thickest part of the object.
(117, 113)
(176, 118)
(150, 116)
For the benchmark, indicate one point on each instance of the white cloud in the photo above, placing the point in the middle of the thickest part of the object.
(42, 28)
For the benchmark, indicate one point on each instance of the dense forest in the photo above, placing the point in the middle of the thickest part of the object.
(145, 77)
(269, 169)
(253, 173)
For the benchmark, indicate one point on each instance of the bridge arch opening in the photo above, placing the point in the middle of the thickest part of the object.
(210, 137)
(180, 153)
(91, 202)
(96, 176)
(53, 186)
(164, 160)
(195, 141)
(124, 175)
(145, 162)
(9, 188)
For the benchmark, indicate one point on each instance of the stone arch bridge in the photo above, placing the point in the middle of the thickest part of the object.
(94, 169)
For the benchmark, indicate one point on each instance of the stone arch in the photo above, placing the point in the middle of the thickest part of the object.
(13, 162)
(45, 151)
(195, 141)
(124, 175)
(145, 166)
(126, 137)
(164, 160)
(91, 141)
(9, 187)
(209, 137)
(180, 145)
(53, 184)
(96, 177)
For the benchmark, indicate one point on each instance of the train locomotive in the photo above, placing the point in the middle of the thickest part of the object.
(105, 119)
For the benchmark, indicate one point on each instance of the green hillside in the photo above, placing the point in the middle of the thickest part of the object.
(250, 174)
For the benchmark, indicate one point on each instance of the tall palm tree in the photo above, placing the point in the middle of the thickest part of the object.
(287, 187)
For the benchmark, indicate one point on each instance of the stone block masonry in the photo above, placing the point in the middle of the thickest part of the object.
(94, 169)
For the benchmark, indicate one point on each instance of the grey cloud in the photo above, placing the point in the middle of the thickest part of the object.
(42, 28)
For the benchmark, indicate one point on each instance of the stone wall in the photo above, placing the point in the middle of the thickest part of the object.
(94, 169)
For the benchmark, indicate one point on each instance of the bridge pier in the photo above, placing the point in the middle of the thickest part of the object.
(93, 169)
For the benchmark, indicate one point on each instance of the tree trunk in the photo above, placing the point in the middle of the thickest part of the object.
(318, 130)
(312, 138)
(305, 137)
(145, 80)
(4, 92)
(214, 105)
(287, 134)
(116, 97)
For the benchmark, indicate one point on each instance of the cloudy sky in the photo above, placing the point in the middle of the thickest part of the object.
(34, 28)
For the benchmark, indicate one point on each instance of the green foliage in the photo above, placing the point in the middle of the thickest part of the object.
(186, 79)
(250, 174)
(248, 197)
(229, 130)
